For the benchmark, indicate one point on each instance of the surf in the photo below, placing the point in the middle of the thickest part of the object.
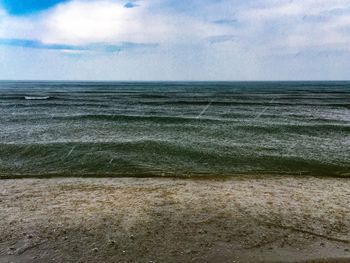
(36, 97)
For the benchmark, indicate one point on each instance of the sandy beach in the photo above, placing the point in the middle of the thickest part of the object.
(273, 219)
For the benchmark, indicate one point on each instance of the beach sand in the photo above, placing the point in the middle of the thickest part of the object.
(273, 219)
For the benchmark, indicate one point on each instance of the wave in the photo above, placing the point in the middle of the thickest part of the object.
(154, 158)
(130, 118)
(36, 97)
(250, 104)
(239, 120)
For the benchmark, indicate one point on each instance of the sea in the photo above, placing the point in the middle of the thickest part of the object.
(180, 129)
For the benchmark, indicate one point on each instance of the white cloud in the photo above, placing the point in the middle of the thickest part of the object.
(261, 24)
(283, 26)
(81, 22)
(257, 34)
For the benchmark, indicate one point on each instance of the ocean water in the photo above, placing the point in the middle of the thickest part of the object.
(174, 129)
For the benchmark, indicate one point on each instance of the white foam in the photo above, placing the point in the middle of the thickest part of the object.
(36, 98)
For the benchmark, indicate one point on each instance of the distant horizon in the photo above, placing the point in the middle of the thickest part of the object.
(170, 81)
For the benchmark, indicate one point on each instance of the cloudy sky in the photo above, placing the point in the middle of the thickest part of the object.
(175, 39)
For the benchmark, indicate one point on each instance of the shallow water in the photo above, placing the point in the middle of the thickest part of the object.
(180, 128)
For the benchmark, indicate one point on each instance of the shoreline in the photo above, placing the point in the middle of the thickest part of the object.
(237, 219)
(189, 176)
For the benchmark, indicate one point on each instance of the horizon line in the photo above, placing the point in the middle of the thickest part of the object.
(56, 80)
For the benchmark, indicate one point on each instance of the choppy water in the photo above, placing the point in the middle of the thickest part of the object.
(154, 129)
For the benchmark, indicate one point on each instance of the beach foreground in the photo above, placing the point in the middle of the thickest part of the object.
(241, 219)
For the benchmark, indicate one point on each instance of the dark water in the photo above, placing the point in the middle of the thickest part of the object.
(154, 129)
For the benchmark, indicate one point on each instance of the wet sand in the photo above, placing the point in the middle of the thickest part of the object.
(274, 219)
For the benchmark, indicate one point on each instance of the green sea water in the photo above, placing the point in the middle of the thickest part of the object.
(174, 128)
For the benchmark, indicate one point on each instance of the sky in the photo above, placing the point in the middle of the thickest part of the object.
(175, 40)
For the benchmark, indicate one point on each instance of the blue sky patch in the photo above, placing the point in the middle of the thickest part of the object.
(226, 21)
(23, 7)
(221, 39)
(35, 44)
(130, 5)
(101, 47)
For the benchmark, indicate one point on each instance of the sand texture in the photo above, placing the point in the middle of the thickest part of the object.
(272, 219)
